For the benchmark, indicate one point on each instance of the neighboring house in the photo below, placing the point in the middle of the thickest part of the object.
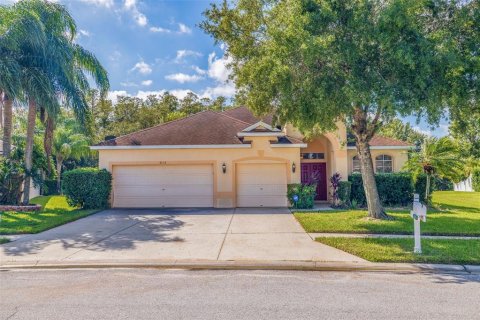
(229, 159)
(34, 192)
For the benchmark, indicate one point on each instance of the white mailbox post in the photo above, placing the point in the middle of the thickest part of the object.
(418, 213)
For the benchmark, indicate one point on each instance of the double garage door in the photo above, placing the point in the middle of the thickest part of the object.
(156, 186)
(160, 186)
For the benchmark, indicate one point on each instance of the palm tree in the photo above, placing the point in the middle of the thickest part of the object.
(57, 73)
(436, 157)
(68, 145)
(17, 31)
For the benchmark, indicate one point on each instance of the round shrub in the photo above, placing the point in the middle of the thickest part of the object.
(88, 188)
(305, 193)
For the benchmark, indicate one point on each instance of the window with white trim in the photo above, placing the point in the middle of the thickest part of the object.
(383, 164)
(355, 164)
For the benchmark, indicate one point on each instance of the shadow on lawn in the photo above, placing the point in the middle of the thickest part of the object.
(101, 232)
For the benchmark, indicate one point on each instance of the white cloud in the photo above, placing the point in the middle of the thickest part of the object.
(100, 3)
(199, 70)
(218, 67)
(112, 95)
(84, 33)
(160, 30)
(128, 84)
(227, 90)
(115, 56)
(140, 18)
(142, 67)
(182, 77)
(184, 29)
(147, 83)
(182, 54)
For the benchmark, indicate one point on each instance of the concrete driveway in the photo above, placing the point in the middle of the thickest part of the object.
(176, 234)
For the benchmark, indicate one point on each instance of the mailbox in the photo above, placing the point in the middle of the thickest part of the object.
(419, 213)
(419, 210)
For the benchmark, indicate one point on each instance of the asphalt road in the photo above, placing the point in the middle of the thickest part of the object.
(178, 294)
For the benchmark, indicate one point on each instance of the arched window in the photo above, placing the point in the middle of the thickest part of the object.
(383, 164)
(355, 164)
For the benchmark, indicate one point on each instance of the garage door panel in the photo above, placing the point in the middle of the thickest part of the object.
(261, 185)
(165, 190)
(163, 186)
(255, 189)
(159, 202)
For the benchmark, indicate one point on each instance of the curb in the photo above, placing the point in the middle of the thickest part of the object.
(246, 265)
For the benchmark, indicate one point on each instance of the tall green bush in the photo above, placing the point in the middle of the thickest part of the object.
(395, 189)
(420, 187)
(344, 192)
(88, 188)
(476, 180)
(305, 193)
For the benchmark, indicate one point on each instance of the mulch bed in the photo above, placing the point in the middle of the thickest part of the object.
(28, 208)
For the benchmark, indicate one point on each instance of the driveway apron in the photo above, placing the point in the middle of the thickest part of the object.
(176, 234)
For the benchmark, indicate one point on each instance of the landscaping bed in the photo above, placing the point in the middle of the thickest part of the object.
(446, 251)
(55, 212)
(455, 213)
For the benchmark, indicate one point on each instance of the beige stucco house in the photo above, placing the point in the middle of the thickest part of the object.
(230, 159)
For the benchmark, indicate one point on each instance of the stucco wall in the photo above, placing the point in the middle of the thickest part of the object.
(224, 183)
(399, 157)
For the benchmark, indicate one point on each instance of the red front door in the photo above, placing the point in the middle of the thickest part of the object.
(312, 172)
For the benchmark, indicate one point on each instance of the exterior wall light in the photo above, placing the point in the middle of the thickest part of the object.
(224, 168)
(294, 167)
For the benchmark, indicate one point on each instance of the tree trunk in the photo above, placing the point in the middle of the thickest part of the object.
(375, 208)
(363, 132)
(427, 188)
(59, 175)
(47, 142)
(8, 124)
(32, 114)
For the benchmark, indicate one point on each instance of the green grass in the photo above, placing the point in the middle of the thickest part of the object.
(455, 213)
(401, 250)
(4, 240)
(55, 212)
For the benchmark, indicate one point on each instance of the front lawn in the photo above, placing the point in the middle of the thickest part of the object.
(55, 212)
(401, 250)
(455, 213)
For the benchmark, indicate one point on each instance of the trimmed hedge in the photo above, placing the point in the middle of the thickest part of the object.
(306, 195)
(395, 189)
(344, 192)
(88, 188)
(476, 180)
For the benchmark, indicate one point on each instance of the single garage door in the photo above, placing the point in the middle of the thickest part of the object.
(159, 186)
(261, 185)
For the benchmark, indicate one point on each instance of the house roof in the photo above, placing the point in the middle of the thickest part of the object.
(214, 128)
(385, 141)
(380, 141)
(203, 128)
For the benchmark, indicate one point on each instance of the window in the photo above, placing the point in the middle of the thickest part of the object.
(313, 155)
(355, 164)
(383, 164)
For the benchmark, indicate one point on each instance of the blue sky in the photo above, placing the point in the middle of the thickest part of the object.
(150, 46)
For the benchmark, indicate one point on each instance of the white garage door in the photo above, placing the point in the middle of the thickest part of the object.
(261, 185)
(163, 186)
